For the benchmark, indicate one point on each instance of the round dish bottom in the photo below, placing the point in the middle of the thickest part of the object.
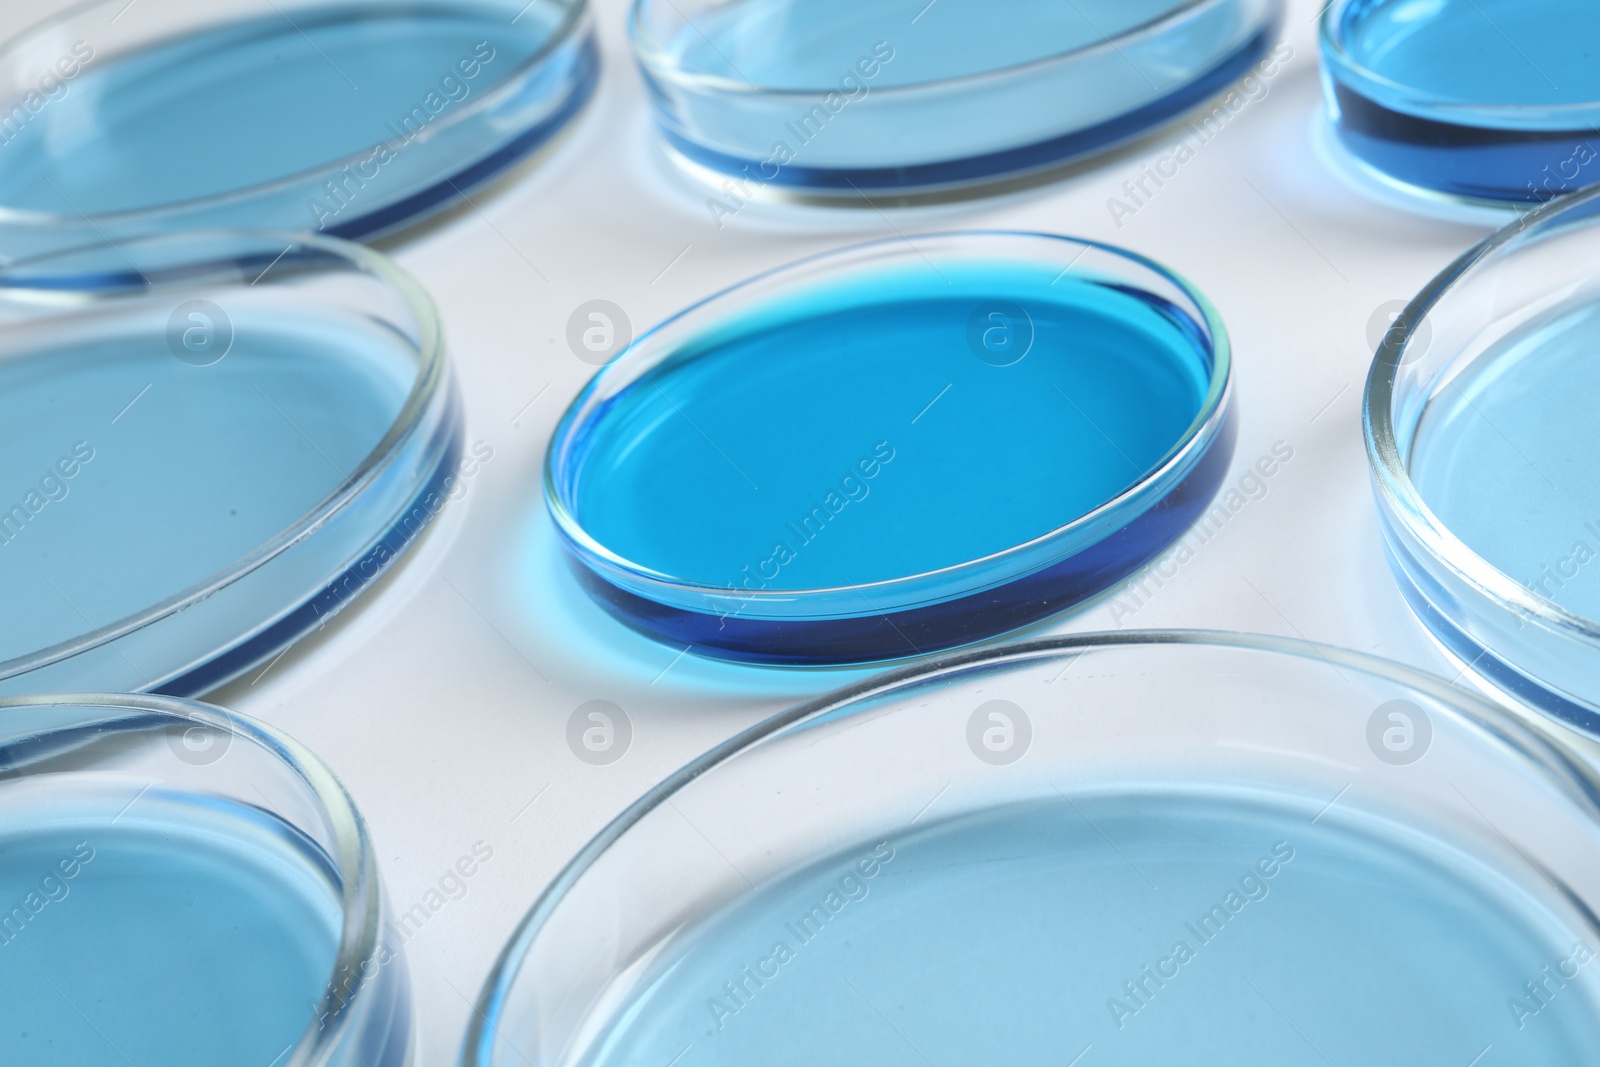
(1148, 928)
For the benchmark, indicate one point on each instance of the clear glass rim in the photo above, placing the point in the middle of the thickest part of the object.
(361, 897)
(1519, 734)
(1397, 493)
(1504, 116)
(429, 389)
(653, 57)
(571, 26)
(1195, 439)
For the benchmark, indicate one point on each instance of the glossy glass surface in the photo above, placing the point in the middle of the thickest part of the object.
(183, 886)
(1484, 457)
(207, 454)
(347, 118)
(1495, 100)
(1202, 848)
(842, 98)
(797, 451)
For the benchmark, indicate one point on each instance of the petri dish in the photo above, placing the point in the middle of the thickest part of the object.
(1495, 101)
(344, 117)
(1484, 459)
(1161, 847)
(187, 887)
(897, 447)
(212, 443)
(840, 98)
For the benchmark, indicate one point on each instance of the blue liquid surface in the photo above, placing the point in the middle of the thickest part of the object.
(254, 102)
(803, 44)
(1010, 938)
(1508, 457)
(845, 96)
(189, 933)
(178, 471)
(1430, 59)
(857, 436)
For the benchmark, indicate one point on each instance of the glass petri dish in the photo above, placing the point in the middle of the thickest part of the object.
(840, 98)
(212, 443)
(183, 886)
(350, 118)
(1164, 847)
(1494, 101)
(896, 447)
(1484, 458)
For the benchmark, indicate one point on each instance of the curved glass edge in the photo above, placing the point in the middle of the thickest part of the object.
(1543, 654)
(443, 454)
(369, 1023)
(865, 697)
(982, 168)
(1475, 154)
(536, 101)
(417, 449)
(945, 624)
(583, 62)
(646, 594)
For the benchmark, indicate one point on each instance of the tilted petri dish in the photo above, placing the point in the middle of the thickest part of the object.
(345, 117)
(186, 887)
(893, 448)
(845, 97)
(1162, 847)
(1480, 431)
(1493, 101)
(209, 445)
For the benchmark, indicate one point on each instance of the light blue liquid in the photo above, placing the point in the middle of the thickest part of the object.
(190, 469)
(845, 97)
(856, 436)
(803, 45)
(1508, 458)
(254, 102)
(196, 934)
(1523, 52)
(1011, 938)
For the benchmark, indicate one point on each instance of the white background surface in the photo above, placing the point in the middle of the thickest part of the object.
(442, 700)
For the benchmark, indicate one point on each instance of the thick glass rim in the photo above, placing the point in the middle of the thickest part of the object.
(1568, 772)
(1501, 116)
(1195, 439)
(1398, 494)
(361, 896)
(651, 55)
(570, 27)
(431, 381)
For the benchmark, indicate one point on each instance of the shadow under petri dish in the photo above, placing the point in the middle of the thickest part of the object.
(1493, 100)
(250, 122)
(1215, 930)
(176, 930)
(131, 476)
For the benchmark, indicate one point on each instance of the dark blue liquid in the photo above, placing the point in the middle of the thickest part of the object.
(837, 442)
(1036, 935)
(1439, 58)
